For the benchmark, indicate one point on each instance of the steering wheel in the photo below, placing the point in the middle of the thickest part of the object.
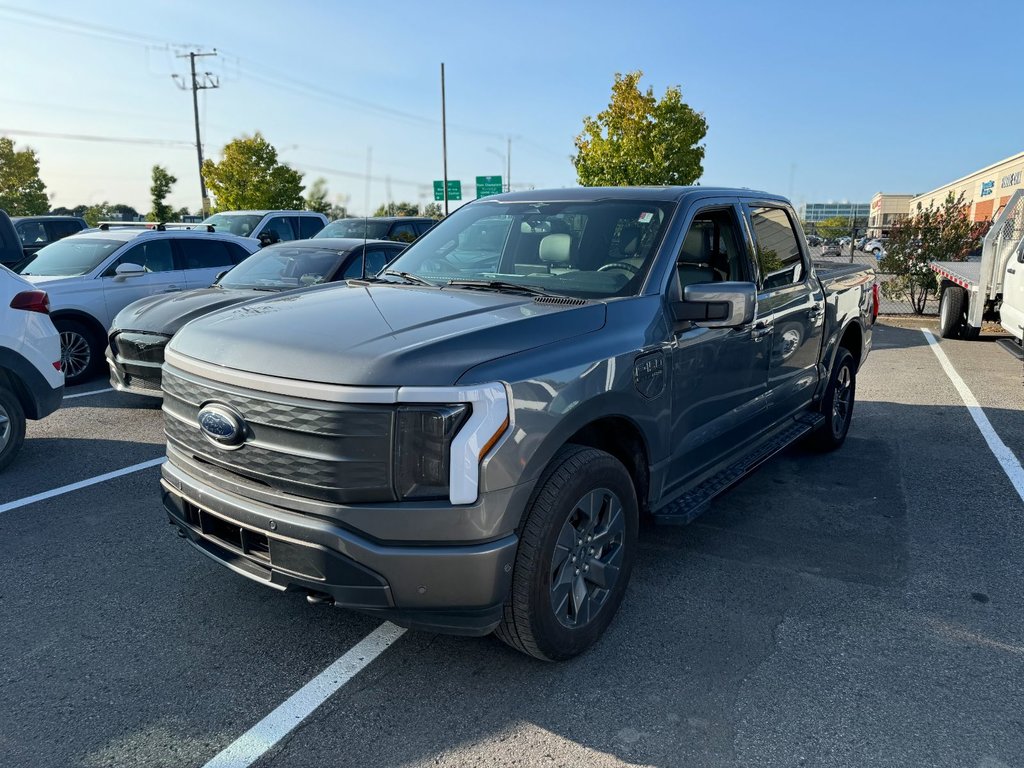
(620, 265)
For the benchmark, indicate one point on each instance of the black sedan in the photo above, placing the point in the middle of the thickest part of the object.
(141, 330)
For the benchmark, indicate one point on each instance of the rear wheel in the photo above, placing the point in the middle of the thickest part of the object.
(837, 405)
(952, 312)
(79, 350)
(12, 426)
(575, 556)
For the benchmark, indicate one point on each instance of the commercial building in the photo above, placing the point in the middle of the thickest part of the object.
(886, 210)
(811, 213)
(985, 191)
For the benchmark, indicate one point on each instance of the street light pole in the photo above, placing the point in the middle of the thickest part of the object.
(444, 143)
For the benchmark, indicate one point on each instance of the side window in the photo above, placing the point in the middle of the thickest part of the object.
(778, 251)
(204, 254)
(403, 232)
(280, 226)
(354, 270)
(238, 253)
(376, 259)
(31, 233)
(712, 249)
(423, 226)
(154, 256)
(61, 229)
(309, 226)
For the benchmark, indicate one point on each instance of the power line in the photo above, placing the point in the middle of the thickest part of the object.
(171, 143)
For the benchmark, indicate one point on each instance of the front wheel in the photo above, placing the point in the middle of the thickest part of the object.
(837, 405)
(79, 351)
(12, 426)
(576, 552)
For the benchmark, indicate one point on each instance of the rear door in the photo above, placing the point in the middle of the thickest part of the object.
(281, 227)
(162, 274)
(791, 305)
(309, 226)
(202, 259)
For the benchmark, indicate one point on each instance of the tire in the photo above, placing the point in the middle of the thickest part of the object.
(12, 426)
(837, 405)
(555, 609)
(952, 312)
(80, 353)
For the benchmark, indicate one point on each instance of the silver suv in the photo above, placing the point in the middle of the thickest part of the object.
(270, 226)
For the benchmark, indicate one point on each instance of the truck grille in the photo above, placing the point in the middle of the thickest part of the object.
(139, 347)
(333, 452)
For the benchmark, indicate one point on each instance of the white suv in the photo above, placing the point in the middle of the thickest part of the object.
(92, 276)
(31, 382)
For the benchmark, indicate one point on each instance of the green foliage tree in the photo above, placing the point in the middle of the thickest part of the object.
(338, 211)
(317, 200)
(180, 214)
(158, 192)
(833, 227)
(433, 211)
(94, 214)
(124, 212)
(250, 177)
(640, 140)
(22, 192)
(397, 209)
(945, 233)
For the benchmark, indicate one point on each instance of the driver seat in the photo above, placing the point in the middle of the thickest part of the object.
(556, 251)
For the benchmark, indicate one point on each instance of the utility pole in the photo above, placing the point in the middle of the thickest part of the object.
(508, 166)
(209, 81)
(444, 143)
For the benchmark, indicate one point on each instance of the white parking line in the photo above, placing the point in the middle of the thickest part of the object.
(86, 394)
(262, 737)
(1006, 458)
(80, 484)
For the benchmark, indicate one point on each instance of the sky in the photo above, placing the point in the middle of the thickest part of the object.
(818, 101)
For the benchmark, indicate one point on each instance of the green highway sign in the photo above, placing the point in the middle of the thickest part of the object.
(488, 185)
(454, 189)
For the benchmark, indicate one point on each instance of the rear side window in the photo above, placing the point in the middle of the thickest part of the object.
(282, 227)
(59, 229)
(204, 254)
(309, 226)
(777, 248)
(403, 232)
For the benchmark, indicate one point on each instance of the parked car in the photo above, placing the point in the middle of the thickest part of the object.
(11, 252)
(876, 247)
(92, 276)
(140, 331)
(403, 229)
(466, 444)
(813, 240)
(31, 382)
(271, 226)
(860, 241)
(36, 232)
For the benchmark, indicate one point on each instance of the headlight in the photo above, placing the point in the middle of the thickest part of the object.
(423, 449)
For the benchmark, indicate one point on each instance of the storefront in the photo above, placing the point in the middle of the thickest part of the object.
(985, 191)
(886, 210)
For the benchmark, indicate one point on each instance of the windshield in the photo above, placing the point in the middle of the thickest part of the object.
(374, 230)
(282, 267)
(71, 257)
(242, 224)
(593, 249)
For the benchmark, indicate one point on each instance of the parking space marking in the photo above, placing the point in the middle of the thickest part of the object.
(86, 394)
(1006, 458)
(80, 484)
(262, 737)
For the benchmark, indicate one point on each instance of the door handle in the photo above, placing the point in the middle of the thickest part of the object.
(1011, 270)
(760, 330)
(170, 289)
(815, 311)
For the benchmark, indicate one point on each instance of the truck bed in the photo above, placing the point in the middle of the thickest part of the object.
(966, 274)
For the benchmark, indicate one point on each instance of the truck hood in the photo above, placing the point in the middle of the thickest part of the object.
(166, 313)
(381, 335)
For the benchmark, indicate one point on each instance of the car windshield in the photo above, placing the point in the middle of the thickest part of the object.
(593, 249)
(369, 229)
(280, 267)
(242, 224)
(71, 257)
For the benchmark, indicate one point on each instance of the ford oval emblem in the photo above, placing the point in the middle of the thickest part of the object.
(222, 426)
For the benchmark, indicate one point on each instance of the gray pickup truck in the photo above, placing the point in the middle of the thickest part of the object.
(466, 442)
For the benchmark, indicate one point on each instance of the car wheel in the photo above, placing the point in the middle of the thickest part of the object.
(837, 405)
(576, 551)
(79, 352)
(12, 426)
(951, 312)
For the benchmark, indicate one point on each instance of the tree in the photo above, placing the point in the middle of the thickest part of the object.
(640, 140)
(162, 183)
(94, 214)
(317, 200)
(60, 210)
(397, 209)
(834, 227)
(124, 212)
(433, 211)
(932, 234)
(22, 192)
(180, 214)
(250, 177)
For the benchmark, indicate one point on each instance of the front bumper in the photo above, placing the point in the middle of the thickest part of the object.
(438, 587)
(136, 378)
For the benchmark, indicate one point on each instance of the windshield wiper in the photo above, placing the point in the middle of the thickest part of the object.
(500, 285)
(408, 277)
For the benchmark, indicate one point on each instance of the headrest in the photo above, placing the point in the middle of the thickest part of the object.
(629, 241)
(555, 248)
(693, 247)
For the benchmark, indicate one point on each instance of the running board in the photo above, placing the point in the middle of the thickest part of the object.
(695, 502)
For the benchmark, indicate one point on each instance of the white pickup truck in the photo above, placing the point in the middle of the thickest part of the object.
(989, 288)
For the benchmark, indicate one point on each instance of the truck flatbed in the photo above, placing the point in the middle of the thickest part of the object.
(966, 274)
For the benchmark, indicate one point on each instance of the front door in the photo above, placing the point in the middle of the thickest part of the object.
(160, 275)
(792, 305)
(1011, 313)
(719, 375)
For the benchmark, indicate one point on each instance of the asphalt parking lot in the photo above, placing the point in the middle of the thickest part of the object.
(861, 608)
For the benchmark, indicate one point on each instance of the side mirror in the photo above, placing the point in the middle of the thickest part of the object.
(717, 305)
(126, 270)
(220, 275)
